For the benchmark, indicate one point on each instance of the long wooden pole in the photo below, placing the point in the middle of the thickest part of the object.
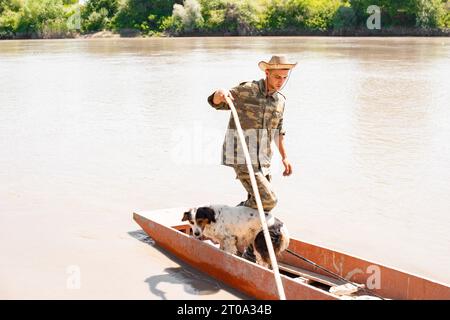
(262, 217)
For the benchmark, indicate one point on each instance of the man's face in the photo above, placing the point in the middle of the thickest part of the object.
(276, 78)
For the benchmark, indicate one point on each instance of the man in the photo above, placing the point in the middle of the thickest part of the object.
(260, 108)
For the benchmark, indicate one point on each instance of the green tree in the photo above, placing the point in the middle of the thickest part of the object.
(284, 14)
(430, 13)
(143, 14)
(42, 18)
(301, 14)
(97, 14)
(188, 16)
(232, 16)
(420, 13)
(9, 18)
(388, 9)
(320, 14)
(36, 18)
(344, 18)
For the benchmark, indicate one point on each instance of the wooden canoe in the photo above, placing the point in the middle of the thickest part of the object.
(300, 279)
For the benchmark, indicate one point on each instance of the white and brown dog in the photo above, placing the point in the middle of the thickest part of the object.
(237, 228)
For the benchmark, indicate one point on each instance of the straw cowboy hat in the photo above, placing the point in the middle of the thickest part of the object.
(276, 62)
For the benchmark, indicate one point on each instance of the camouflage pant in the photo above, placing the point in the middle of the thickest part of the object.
(268, 197)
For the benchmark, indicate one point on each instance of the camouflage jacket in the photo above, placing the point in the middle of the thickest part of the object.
(261, 118)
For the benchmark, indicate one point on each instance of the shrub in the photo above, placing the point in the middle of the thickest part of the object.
(97, 14)
(142, 14)
(284, 14)
(9, 20)
(97, 20)
(430, 13)
(301, 14)
(42, 18)
(445, 22)
(419, 13)
(188, 16)
(345, 18)
(232, 16)
(320, 14)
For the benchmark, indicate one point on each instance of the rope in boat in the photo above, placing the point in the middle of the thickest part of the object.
(334, 274)
(262, 217)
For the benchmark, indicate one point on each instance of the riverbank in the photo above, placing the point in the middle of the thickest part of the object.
(362, 32)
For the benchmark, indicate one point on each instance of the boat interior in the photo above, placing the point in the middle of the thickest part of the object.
(309, 276)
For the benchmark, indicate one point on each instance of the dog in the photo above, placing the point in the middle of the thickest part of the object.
(237, 227)
(231, 227)
(257, 251)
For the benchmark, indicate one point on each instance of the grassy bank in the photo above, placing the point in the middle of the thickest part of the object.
(25, 19)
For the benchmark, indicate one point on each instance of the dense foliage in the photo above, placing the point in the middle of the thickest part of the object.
(64, 18)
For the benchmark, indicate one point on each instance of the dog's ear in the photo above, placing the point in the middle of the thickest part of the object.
(206, 213)
(187, 216)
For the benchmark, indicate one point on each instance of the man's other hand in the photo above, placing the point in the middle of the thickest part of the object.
(287, 167)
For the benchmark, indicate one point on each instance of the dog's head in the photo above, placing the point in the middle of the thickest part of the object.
(199, 218)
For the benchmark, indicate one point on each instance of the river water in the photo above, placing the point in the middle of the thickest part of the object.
(93, 129)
